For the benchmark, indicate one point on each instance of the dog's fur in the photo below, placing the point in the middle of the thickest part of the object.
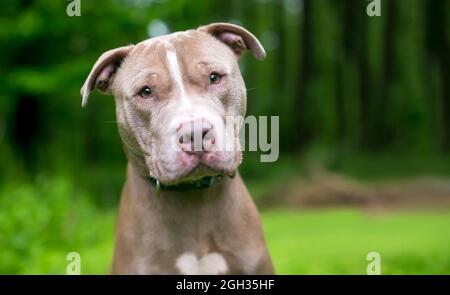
(214, 230)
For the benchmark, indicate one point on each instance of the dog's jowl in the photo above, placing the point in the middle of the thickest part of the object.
(184, 208)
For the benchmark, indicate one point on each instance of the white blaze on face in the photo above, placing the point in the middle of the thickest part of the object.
(210, 264)
(175, 72)
(185, 108)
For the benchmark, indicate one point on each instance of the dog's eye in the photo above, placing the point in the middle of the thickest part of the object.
(214, 78)
(146, 92)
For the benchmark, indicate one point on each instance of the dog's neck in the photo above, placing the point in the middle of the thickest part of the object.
(154, 231)
(179, 196)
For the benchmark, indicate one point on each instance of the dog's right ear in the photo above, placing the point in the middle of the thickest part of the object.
(103, 71)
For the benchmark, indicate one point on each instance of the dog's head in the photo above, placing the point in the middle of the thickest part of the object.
(174, 95)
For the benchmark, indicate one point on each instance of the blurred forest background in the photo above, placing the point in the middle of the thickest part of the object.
(364, 106)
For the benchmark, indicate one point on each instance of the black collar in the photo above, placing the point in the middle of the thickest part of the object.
(204, 182)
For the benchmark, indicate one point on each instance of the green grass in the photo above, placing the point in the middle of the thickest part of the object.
(338, 241)
(41, 223)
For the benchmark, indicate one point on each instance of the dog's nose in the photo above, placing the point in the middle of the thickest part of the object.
(196, 136)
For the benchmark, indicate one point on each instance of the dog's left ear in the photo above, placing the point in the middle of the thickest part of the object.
(103, 71)
(236, 37)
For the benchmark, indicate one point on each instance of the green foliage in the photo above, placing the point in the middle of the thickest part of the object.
(41, 223)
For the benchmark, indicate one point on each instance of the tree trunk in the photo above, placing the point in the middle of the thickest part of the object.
(303, 130)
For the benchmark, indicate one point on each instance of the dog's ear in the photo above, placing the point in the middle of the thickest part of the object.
(236, 37)
(102, 72)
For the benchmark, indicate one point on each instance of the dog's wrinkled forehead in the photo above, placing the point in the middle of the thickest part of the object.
(173, 62)
(188, 46)
(186, 40)
(174, 39)
(216, 45)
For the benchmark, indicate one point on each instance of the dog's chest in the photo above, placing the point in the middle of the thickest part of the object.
(197, 250)
(212, 263)
(196, 253)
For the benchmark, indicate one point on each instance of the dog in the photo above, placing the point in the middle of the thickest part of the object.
(183, 210)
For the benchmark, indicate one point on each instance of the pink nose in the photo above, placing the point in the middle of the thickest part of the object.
(196, 136)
